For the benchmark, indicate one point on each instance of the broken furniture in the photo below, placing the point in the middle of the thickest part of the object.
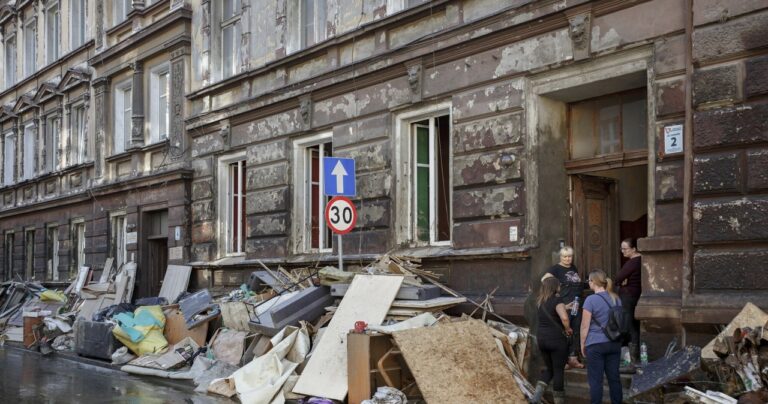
(175, 282)
(198, 308)
(307, 304)
(176, 327)
(372, 362)
(94, 339)
(665, 370)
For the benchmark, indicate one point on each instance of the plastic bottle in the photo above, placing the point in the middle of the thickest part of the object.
(643, 354)
(575, 308)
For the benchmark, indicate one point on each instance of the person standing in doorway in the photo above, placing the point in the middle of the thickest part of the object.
(630, 288)
(553, 331)
(571, 287)
(603, 355)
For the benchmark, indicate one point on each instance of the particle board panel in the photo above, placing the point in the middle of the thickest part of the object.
(176, 281)
(458, 363)
(368, 299)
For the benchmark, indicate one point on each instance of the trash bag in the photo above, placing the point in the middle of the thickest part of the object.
(122, 356)
(142, 330)
(387, 395)
(152, 301)
(108, 312)
(53, 296)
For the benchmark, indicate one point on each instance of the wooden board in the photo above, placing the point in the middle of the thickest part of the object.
(749, 316)
(235, 315)
(445, 301)
(176, 281)
(368, 299)
(106, 271)
(176, 328)
(458, 362)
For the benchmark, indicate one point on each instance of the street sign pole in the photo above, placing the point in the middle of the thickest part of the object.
(341, 255)
(340, 213)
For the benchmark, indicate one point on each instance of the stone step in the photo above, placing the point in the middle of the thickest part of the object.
(577, 386)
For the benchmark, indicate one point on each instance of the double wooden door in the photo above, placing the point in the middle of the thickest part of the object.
(595, 228)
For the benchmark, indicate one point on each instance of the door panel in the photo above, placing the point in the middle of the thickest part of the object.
(595, 225)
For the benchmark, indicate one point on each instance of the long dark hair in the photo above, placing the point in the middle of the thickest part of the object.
(547, 289)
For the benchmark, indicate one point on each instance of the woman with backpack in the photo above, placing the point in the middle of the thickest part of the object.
(553, 333)
(599, 342)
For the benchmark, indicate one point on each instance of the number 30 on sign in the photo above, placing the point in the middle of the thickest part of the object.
(340, 215)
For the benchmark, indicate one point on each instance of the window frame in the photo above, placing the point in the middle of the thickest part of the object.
(29, 254)
(118, 231)
(30, 65)
(302, 201)
(9, 158)
(225, 246)
(120, 126)
(8, 246)
(10, 74)
(78, 244)
(234, 23)
(77, 135)
(406, 224)
(52, 252)
(79, 23)
(26, 173)
(53, 139)
(159, 130)
(120, 10)
(52, 47)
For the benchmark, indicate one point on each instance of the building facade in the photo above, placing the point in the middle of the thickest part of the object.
(93, 141)
(486, 134)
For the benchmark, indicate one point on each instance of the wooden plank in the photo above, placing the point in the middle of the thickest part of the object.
(458, 363)
(176, 281)
(428, 304)
(750, 316)
(367, 299)
(235, 315)
(176, 328)
(106, 271)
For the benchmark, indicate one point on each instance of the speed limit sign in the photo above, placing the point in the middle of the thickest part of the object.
(340, 215)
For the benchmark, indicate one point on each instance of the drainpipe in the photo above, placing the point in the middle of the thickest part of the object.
(688, 162)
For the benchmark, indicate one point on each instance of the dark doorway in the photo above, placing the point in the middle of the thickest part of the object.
(154, 262)
(595, 224)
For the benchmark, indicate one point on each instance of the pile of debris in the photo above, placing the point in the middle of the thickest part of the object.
(732, 368)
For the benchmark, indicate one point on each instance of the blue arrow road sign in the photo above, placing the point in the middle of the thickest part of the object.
(339, 176)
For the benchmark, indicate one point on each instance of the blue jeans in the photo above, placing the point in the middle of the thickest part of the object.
(604, 358)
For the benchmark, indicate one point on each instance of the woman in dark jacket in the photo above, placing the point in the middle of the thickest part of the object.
(554, 326)
(630, 288)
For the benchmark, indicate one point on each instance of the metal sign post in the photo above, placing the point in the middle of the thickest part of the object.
(340, 213)
(341, 216)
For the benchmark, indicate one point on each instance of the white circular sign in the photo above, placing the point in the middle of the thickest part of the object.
(340, 215)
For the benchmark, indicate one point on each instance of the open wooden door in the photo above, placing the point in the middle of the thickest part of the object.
(595, 224)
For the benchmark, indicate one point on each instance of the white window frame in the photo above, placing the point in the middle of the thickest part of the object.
(78, 153)
(118, 225)
(10, 60)
(233, 23)
(159, 118)
(30, 47)
(297, 39)
(405, 163)
(226, 249)
(78, 11)
(53, 129)
(53, 260)
(52, 31)
(123, 106)
(9, 158)
(78, 241)
(28, 151)
(121, 9)
(302, 201)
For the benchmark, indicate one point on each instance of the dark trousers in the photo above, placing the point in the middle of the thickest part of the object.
(575, 347)
(604, 358)
(554, 351)
(629, 303)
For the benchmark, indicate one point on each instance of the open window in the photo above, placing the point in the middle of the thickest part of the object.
(232, 199)
(431, 179)
(312, 234)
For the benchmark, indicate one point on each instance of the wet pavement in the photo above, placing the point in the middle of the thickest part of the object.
(28, 377)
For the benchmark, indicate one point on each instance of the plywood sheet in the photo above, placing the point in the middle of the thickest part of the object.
(458, 363)
(176, 328)
(431, 303)
(750, 316)
(235, 315)
(368, 299)
(176, 281)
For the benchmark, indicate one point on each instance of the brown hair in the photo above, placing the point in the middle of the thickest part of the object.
(547, 289)
(599, 278)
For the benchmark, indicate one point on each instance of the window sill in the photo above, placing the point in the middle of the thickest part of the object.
(120, 156)
(155, 146)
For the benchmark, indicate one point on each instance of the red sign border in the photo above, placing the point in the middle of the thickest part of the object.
(328, 219)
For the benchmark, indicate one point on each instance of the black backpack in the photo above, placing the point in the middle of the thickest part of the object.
(617, 327)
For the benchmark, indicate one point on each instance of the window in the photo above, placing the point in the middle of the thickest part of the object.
(230, 37)
(9, 158)
(28, 155)
(52, 25)
(29, 254)
(30, 47)
(159, 104)
(310, 201)
(78, 244)
(78, 152)
(10, 61)
(313, 22)
(232, 176)
(8, 255)
(394, 6)
(52, 254)
(123, 116)
(52, 129)
(122, 9)
(430, 148)
(609, 124)
(77, 20)
(118, 245)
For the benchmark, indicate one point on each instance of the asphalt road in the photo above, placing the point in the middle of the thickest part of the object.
(28, 377)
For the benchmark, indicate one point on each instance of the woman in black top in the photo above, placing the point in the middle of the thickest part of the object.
(571, 287)
(630, 288)
(552, 339)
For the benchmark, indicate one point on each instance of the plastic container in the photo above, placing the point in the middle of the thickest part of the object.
(643, 354)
